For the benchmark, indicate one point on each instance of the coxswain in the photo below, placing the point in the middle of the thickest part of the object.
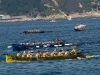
(24, 54)
(18, 54)
(38, 54)
(58, 40)
(73, 49)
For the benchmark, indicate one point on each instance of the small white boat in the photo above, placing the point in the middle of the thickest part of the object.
(69, 18)
(53, 20)
(79, 27)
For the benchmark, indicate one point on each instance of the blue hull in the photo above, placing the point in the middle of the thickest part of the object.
(18, 47)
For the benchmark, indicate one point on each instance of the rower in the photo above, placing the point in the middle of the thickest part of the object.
(22, 43)
(34, 43)
(54, 53)
(61, 53)
(53, 42)
(73, 49)
(32, 54)
(67, 52)
(18, 54)
(39, 54)
(39, 43)
(46, 54)
(28, 54)
(24, 54)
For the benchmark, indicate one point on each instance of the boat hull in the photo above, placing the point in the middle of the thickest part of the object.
(34, 31)
(27, 32)
(11, 58)
(78, 29)
(18, 47)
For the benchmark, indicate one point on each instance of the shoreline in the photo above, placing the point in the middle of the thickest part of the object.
(62, 15)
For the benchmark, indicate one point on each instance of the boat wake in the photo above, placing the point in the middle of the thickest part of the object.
(95, 56)
(87, 43)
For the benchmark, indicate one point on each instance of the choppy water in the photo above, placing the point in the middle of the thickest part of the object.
(88, 40)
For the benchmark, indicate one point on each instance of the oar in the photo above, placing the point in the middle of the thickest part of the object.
(5, 54)
(37, 59)
(92, 56)
(88, 56)
(68, 44)
(9, 46)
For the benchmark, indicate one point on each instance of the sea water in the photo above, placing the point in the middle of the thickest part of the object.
(87, 40)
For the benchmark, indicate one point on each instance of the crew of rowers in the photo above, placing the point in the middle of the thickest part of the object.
(44, 54)
(42, 43)
(31, 54)
(37, 43)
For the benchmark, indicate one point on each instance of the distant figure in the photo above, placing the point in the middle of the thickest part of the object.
(58, 40)
(41, 29)
(18, 54)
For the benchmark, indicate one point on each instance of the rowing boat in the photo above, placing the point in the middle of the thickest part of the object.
(12, 58)
(34, 31)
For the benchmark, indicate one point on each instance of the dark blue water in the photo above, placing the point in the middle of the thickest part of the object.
(88, 40)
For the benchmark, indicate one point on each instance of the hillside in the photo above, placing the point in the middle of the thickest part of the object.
(46, 7)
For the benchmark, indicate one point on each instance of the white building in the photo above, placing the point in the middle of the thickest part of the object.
(5, 17)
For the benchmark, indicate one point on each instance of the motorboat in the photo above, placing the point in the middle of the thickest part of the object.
(53, 20)
(69, 18)
(79, 27)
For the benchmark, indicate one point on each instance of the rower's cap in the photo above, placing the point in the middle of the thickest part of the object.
(31, 51)
(28, 51)
(54, 49)
(61, 49)
(24, 52)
